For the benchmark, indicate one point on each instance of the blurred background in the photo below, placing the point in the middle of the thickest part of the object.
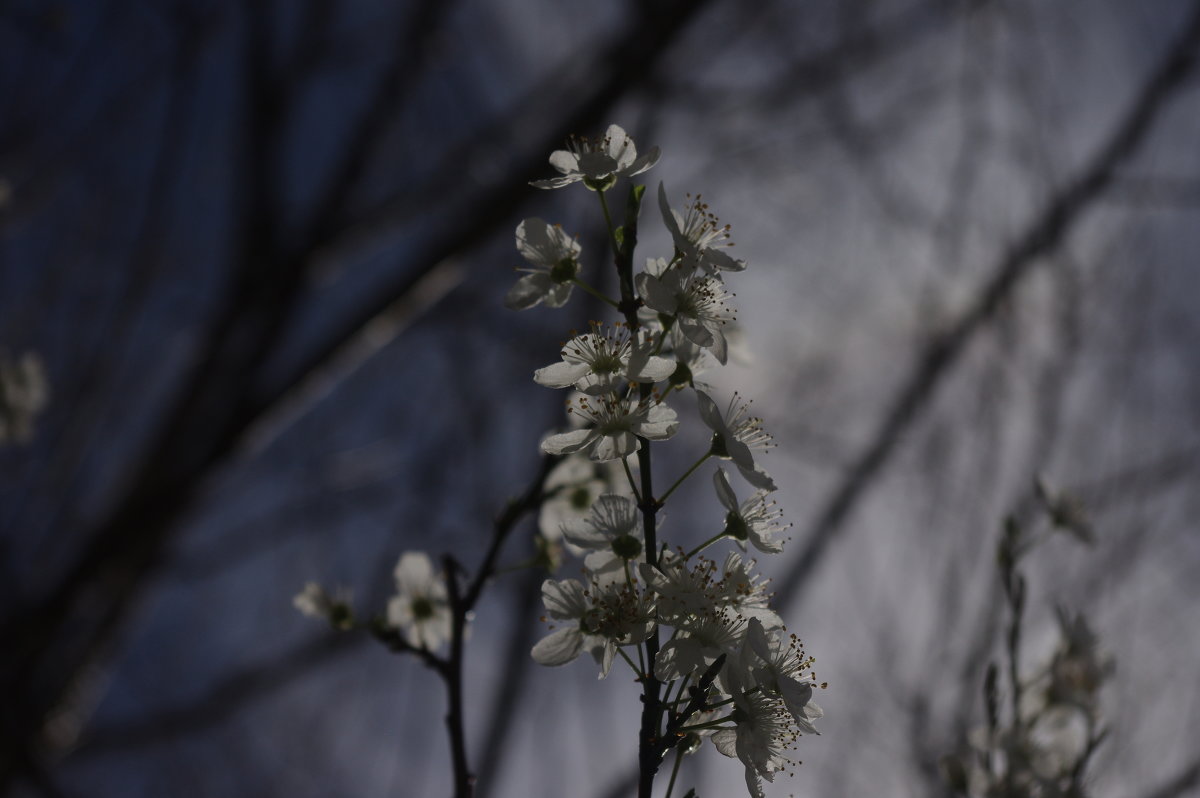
(261, 248)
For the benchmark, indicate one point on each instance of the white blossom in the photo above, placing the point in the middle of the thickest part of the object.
(780, 667)
(755, 520)
(763, 731)
(420, 609)
(698, 236)
(598, 162)
(736, 434)
(597, 362)
(554, 256)
(598, 620)
(695, 301)
(611, 534)
(615, 425)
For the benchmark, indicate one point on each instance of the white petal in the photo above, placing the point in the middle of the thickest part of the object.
(753, 784)
(658, 294)
(714, 259)
(554, 182)
(559, 647)
(756, 636)
(726, 742)
(758, 478)
(529, 290)
(725, 491)
(414, 572)
(558, 295)
(644, 367)
(645, 162)
(561, 374)
(660, 424)
(585, 535)
(568, 442)
(668, 216)
(718, 347)
(564, 600)
(697, 333)
(711, 415)
(565, 162)
(614, 446)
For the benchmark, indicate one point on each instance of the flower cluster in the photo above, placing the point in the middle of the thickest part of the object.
(1039, 742)
(716, 660)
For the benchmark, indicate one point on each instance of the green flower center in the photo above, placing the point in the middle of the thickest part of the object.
(718, 447)
(626, 546)
(422, 608)
(735, 526)
(564, 271)
(580, 499)
(682, 375)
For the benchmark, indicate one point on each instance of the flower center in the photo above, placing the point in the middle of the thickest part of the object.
(681, 376)
(735, 526)
(581, 499)
(422, 608)
(626, 546)
(565, 270)
(718, 447)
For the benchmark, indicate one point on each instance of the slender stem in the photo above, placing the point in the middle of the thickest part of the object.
(464, 780)
(639, 671)
(632, 482)
(612, 236)
(674, 771)
(703, 546)
(594, 292)
(686, 474)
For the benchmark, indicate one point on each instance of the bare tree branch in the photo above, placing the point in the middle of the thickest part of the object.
(1043, 236)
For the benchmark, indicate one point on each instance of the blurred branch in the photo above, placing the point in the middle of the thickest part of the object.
(1164, 192)
(1182, 782)
(225, 699)
(1042, 237)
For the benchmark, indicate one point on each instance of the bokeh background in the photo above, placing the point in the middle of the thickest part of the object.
(261, 249)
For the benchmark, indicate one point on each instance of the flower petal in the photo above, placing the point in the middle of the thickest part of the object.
(559, 647)
(725, 491)
(561, 374)
(614, 446)
(566, 162)
(529, 290)
(568, 442)
(660, 424)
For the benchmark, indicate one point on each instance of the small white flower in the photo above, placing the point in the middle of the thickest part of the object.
(555, 258)
(615, 427)
(744, 592)
(697, 303)
(736, 434)
(316, 602)
(420, 608)
(599, 620)
(683, 591)
(699, 237)
(598, 362)
(611, 534)
(23, 394)
(780, 668)
(698, 641)
(763, 732)
(755, 519)
(598, 162)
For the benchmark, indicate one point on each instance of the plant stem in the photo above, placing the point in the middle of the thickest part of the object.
(686, 474)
